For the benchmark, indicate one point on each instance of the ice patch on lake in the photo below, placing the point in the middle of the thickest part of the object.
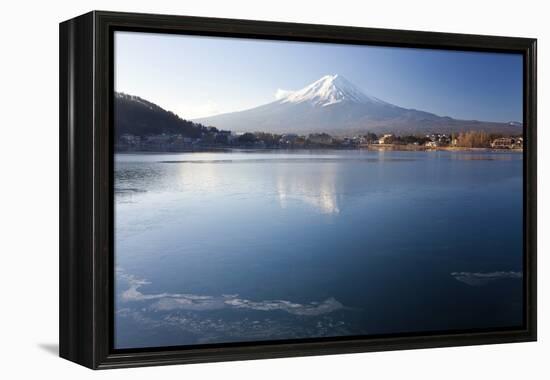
(193, 302)
(312, 309)
(478, 279)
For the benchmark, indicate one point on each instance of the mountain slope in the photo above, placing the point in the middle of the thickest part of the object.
(139, 117)
(333, 104)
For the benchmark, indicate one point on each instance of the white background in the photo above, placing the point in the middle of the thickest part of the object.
(29, 199)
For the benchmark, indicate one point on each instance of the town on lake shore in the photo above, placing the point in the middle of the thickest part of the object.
(212, 138)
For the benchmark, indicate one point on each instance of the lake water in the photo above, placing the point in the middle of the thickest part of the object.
(249, 246)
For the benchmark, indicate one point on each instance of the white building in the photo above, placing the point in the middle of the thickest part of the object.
(386, 139)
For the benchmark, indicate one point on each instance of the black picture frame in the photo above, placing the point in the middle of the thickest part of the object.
(86, 186)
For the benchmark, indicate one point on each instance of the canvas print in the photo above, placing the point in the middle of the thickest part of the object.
(269, 191)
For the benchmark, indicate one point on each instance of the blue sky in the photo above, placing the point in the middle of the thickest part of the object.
(201, 76)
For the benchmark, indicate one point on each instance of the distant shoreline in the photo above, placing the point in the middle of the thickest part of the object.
(372, 147)
(422, 148)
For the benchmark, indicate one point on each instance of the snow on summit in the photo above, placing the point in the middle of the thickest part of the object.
(330, 89)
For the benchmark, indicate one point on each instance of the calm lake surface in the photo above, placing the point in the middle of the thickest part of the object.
(248, 246)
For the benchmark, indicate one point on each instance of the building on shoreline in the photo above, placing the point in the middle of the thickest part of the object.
(507, 143)
(320, 138)
(386, 139)
(433, 144)
(438, 139)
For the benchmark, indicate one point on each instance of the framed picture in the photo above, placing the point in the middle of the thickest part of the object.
(236, 189)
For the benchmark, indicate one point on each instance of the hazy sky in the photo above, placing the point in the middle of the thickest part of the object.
(201, 76)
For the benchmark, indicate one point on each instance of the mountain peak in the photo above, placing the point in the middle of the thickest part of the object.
(328, 90)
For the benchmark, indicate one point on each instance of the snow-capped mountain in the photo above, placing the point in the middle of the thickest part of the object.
(334, 104)
(329, 90)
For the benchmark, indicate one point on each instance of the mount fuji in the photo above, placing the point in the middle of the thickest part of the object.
(335, 105)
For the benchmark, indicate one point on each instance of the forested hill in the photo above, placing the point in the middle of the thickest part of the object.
(139, 117)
